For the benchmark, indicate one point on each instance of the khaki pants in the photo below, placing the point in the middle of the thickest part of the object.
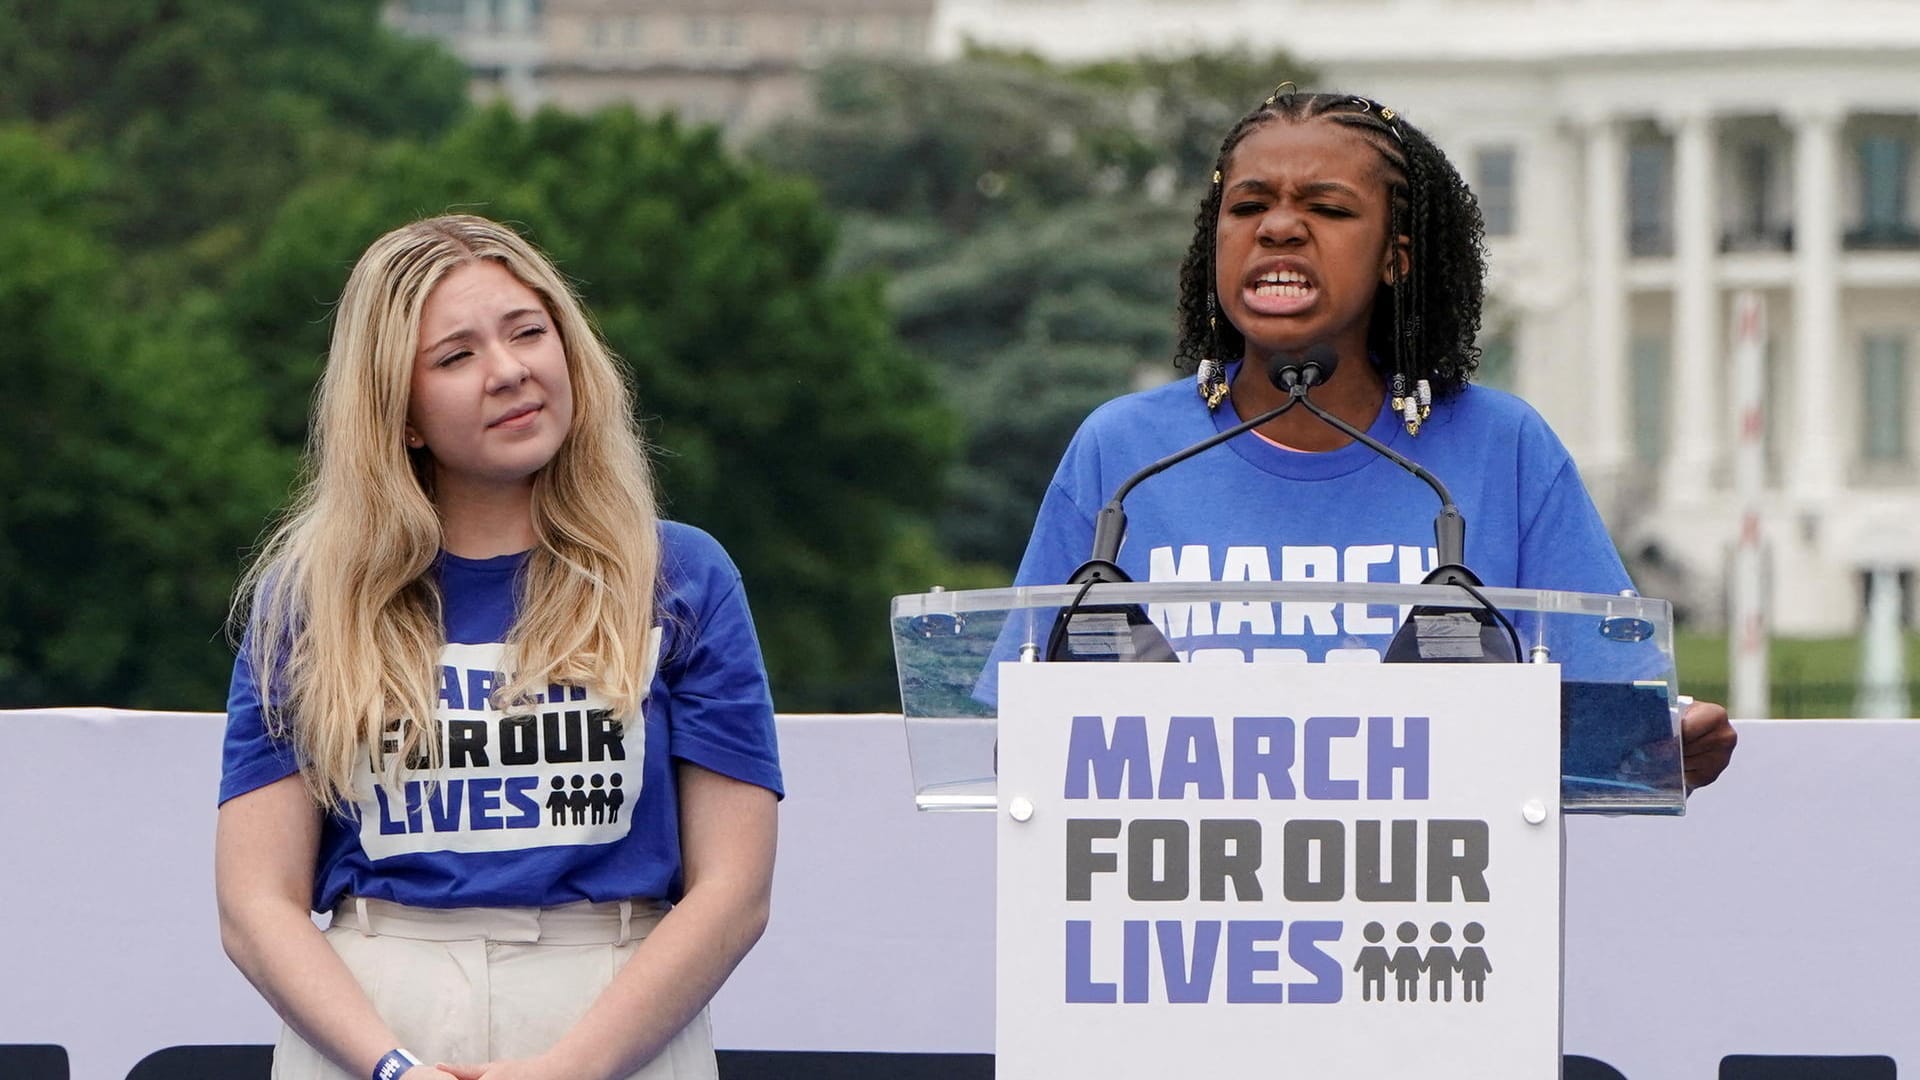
(473, 985)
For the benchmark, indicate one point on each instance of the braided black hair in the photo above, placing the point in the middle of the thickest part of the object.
(1423, 327)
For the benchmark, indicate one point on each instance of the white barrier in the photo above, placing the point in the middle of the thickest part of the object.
(1776, 918)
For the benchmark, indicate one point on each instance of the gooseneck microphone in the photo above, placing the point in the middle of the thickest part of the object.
(1122, 632)
(1110, 526)
(1298, 374)
(1429, 634)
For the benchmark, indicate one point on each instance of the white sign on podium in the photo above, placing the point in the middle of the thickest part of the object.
(1313, 871)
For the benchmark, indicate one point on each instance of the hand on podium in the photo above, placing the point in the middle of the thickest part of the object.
(1707, 739)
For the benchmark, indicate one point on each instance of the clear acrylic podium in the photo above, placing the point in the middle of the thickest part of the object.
(1620, 745)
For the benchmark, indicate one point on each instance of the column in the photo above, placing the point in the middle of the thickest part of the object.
(1815, 452)
(1696, 401)
(1608, 317)
(524, 27)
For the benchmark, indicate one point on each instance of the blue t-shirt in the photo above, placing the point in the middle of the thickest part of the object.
(1252, 511)
(559, 802)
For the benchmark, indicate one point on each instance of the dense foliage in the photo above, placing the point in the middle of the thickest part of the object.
(978, 253)
(187, 183)
(1031, 221)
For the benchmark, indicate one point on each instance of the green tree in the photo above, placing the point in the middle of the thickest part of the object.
(1031, 219)
(134, 467)
(962, 143)
(1179, 105)
(144, 145)
(1032, 325)
(205, 112)
(790, 423)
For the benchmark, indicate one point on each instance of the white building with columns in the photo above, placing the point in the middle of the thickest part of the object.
(1639, 163)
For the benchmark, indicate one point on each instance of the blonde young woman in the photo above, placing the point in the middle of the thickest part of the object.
(517, 738)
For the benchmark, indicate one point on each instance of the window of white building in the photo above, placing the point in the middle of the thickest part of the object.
(1753, 223)
(1756, 172)
(1647, 362)
(1496, 184)
(1885, 162)
(1650, 197)
(1884, 385)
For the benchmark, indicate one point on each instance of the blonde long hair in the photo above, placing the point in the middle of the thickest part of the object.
(344, 626)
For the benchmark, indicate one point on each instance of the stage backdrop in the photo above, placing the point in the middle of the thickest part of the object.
(1776, 918)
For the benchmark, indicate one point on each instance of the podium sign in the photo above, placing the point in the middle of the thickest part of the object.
(1312, 871)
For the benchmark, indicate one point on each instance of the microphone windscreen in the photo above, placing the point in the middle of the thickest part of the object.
(1313, 365)
(1322, 356)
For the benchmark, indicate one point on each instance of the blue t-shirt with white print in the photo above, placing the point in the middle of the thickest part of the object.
(1252, 511)
(553, 803)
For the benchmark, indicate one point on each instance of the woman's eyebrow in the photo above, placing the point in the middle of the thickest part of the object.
(462, 334)
(1255, 185)
(467, 334)
(1327, 187)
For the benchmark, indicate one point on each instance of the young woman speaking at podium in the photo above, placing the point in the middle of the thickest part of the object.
(1333, 229)
(508, 727)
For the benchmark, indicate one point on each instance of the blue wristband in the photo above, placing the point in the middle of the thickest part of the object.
(394, 1064)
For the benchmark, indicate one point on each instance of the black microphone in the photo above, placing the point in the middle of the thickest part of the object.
(1122, 632)
(1430, 634)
